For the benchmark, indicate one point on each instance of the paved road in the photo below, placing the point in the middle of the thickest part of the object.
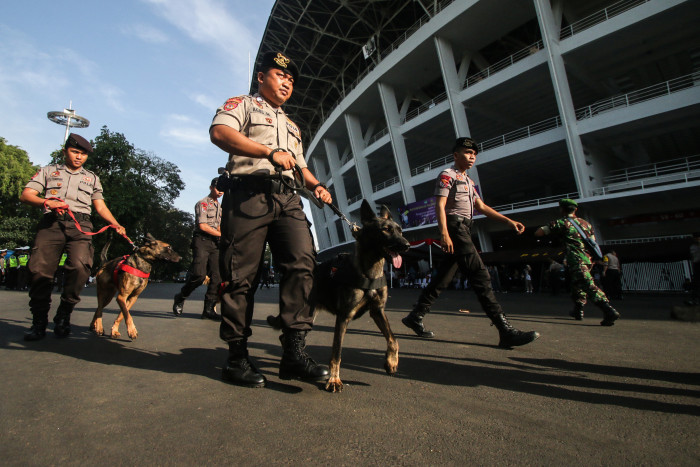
(580, 395)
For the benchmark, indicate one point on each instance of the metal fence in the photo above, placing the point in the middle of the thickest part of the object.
(503, 64)
(655, 277)
(599, 17)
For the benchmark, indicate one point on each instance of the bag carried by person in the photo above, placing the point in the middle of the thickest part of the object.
(591, 244)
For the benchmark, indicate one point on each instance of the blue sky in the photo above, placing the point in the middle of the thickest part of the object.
(154, 70)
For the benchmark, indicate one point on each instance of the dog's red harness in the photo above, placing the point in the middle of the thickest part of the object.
(128, 269)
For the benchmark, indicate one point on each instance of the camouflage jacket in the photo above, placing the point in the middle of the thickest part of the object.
(575, 248)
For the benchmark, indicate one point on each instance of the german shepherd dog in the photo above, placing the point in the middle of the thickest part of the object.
(350, 285)
(127, 277)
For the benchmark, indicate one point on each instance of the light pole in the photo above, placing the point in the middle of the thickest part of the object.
(68, 118)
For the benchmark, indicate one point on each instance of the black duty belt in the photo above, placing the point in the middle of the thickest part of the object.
(258, 184)
(459, 220)
(199, 233)
(79, 216)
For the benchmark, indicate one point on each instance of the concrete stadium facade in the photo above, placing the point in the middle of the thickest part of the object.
(593, 100)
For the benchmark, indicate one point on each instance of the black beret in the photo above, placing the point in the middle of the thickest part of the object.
(280, 61)
(77, 141)
(214, 181)
(466, 143)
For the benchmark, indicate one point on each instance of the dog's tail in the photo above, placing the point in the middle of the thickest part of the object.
(105, 249)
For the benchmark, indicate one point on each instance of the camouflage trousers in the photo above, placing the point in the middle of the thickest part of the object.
(583, 286)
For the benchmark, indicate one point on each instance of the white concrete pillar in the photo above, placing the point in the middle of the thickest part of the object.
(391, 113)
(357, 145)
(341, 198)
(550, 36)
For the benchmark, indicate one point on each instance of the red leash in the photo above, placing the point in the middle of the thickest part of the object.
(77, 224)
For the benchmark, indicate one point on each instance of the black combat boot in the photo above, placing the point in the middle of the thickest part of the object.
(296, 363)
(239, 369)
(38, 329)
(62, 320)
(178, 304)
(511, 337)
(610, 314)
(414, 321)
(209, 311)
(577, 312)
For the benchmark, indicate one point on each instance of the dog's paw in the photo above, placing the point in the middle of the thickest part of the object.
(115, 334)
(390, 368)
(334, 385)
(99, 330)
(133, 333)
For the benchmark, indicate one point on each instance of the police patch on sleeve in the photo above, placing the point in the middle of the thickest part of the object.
(445, 181)
(232, 103)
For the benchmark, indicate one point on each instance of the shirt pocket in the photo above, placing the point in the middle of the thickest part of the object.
(294, 145)
(262, 129)
(55, 189)
(84, 194)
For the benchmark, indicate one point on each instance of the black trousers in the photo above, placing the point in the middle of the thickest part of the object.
(52, 237)
(250, 218)
(205, 262)
(467, 259)
(613, 283)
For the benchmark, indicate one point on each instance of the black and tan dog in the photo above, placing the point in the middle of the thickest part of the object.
(350, 285)
(127, 277)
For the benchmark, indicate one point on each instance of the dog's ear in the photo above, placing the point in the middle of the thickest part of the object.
(150, 238)
(366, 212)
(384, 213)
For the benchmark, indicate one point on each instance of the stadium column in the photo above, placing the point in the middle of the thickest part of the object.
(391, 114)
(357, 145)
(341, 197)
(549, 27)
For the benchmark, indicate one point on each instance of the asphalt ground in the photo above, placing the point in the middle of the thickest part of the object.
(580, 395)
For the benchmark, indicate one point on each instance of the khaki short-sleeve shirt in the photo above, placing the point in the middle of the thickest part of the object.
(259, 121)
(459, 190)
(77, 189)
(208, 211)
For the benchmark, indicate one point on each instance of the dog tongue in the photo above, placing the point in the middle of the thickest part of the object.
(396, 260)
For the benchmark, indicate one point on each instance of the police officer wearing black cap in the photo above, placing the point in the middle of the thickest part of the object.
(205, 254)
(257, 207)
(64, 186)
(456, 201)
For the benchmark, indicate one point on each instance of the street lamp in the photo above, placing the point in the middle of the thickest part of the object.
(68, 118)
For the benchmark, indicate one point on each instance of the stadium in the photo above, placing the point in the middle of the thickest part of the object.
(593, 100)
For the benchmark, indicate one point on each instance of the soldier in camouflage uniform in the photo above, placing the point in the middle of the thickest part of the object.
(578, 261)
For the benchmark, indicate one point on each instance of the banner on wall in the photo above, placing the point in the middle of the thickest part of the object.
(418, 213)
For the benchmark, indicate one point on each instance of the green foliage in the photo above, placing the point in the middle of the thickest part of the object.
(15, 172)
(17, 231)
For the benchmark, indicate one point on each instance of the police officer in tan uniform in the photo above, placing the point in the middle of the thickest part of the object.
(64, 186)
(205, 254)
(257, 207)
(457, 199)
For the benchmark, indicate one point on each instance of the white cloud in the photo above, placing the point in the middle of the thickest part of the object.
(181, 130)
(208, 102)
(27, 70)
(145, 32)
(208, 22)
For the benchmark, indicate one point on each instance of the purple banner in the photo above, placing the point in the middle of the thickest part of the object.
(418, 213)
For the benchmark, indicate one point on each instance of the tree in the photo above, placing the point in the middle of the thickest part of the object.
(17, 221)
